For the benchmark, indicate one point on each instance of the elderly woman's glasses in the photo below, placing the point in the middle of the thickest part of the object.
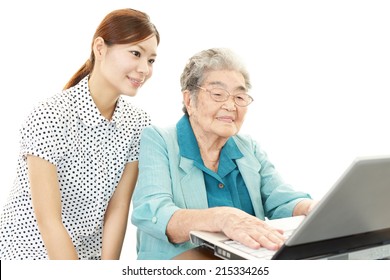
(241, 99)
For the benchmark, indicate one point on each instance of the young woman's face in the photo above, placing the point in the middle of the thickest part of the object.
(126, 67)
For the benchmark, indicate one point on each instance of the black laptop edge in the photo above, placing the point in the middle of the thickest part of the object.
(335, 246)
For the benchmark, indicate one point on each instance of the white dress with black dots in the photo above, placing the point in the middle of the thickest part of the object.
(89, 152)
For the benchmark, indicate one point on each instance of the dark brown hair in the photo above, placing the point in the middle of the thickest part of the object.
(124, 26)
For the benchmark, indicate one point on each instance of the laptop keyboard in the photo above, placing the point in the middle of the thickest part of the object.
(261, 253)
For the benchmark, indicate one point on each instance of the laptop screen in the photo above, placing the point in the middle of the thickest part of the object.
(350, 221)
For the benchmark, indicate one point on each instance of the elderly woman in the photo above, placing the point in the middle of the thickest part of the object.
(202, 175)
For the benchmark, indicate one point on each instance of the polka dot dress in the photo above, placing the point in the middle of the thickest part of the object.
(89, 152)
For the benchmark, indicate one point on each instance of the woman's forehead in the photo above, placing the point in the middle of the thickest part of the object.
(224, 78)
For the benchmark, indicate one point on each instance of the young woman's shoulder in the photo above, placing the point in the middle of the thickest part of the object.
(56, 107)
(133, 114)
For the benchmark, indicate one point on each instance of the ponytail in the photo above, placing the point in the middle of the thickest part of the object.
(84, 70)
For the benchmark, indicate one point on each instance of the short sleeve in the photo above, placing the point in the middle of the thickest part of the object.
(42, 134)
(141, 120)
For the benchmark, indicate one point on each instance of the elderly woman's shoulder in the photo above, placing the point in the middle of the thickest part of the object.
(162, 129)
(245, 139)
(165, 132)
(247, 142)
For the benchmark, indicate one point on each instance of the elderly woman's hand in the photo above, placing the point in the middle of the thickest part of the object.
(304, 207)
(249, 230)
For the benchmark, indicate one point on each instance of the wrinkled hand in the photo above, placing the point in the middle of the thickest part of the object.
(249, 230)
(304, 207)
(312, 206)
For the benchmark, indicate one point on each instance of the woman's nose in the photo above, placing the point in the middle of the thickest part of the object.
(143, 67)
(230, 103)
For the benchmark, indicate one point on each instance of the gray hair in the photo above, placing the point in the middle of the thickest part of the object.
(210, 60)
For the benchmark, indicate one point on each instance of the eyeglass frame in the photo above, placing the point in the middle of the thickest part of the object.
(228, 95)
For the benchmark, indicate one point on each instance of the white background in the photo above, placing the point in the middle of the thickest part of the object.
(320, 73)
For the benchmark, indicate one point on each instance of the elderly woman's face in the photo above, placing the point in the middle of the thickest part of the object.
(222, 119)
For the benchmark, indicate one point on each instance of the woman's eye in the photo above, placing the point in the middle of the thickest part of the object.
(136, 53)
(151, 61)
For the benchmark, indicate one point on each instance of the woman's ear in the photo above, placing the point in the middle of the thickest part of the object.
(187, 101)
(99, 48)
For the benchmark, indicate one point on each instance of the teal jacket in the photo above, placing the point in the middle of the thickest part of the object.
(168, 182)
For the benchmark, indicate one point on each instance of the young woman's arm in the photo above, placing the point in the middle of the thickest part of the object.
(115, 220)
(46, 199)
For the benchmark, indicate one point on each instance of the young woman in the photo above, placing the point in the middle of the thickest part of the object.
(79, 152)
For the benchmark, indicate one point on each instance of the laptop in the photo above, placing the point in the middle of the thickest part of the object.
(351, 221)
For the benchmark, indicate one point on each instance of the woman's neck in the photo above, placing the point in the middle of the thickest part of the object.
(104, 99)
(210, 147)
